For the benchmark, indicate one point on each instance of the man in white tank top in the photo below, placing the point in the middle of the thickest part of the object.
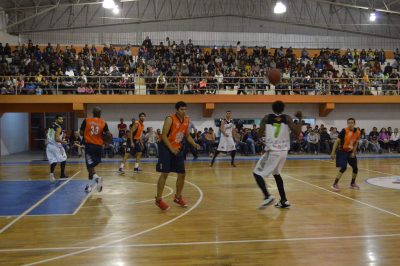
(226, 141)
(277, 128)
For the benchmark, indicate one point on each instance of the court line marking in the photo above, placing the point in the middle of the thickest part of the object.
(2, 230)
(244, 241)
(343, 196)
(200, 199)
(171, 191)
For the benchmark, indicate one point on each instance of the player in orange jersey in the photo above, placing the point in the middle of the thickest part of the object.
(93, 130)
(171, 153)
(346, 146)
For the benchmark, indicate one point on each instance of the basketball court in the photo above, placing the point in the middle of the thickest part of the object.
(45, 223)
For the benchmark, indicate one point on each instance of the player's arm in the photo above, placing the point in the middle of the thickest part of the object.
(353, 154)
(261, 131)
(191, 141)
(57, 136)
(222, 128)
(107, 134)
(82, 129)
(295, 128)
(335, 145)
(166, 128)
(132, 134)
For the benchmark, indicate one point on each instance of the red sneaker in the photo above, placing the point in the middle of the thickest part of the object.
(180, 201)
(162, 204)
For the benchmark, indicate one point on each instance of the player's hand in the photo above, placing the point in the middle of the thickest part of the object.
(132, 145)
(333, 156)
(298, 115)
(197, 146)
(64, 142)
(352, 155)
(174, 151)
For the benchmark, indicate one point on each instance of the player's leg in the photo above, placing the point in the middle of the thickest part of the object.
(63, 175)
(283, 202)
(163, 167)
(138, 156)
(233, 154)
(178, 166)
(52, 161)
(264, 167)
(341, 164)
(62, 159)
(214, 157)
(127, 154)
(354, 165)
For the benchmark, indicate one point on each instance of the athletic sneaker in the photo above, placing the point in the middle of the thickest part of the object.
(266, 202)
(52, 178)
(335, 187)
(233, 165)
(121, 171)
(162, 204)
(282, 205)
(397, 181)
(354, 186)
(64, 177)
(88, 188)
(137, 170)
(180, 201)
(99, 182)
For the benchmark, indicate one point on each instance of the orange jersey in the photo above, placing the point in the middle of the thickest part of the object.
(349, 138)
(178, 131)
(139, 130)
(93, 132)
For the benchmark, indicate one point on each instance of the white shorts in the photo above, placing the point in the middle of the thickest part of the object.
(226, 144)
(271, 162)
(55, 153)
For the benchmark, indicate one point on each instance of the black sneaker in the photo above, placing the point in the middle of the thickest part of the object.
(137, 170)
(64, 177)
(282, 205)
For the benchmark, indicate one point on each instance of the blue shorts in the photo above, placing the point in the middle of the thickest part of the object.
(343, 158)
(93, 155)
(168, 162)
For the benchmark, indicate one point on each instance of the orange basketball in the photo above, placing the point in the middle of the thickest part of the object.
(274, 76)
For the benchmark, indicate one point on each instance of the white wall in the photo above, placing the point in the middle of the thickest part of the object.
(14, 133)
(367, 116)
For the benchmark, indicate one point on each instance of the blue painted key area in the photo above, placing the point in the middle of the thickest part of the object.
(18, 196)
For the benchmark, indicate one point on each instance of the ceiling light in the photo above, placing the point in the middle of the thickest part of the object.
(116, 10)
(109, 4)
(372, 17)
(279, 8)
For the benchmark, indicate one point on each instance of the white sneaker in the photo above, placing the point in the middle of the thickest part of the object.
(99, 181)
(397, 181)
(88, 188)
(266, 202)
(52, 178)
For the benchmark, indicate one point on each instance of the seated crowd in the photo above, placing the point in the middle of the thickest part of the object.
(173, 68)
(311, 141)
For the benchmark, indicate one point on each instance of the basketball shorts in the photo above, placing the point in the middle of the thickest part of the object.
(343, 158)
(93, 155)
(55, 153)
(271, 162)
(168, 162)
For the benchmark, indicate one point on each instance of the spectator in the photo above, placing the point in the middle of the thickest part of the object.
(363, 142)
(313, 139)
(384, 139)
(151, 140)
(210, 141)
(373, 140)
(121, 128)
(325, 140)
(248, 138)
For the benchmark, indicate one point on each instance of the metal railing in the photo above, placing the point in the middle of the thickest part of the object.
(153, 85)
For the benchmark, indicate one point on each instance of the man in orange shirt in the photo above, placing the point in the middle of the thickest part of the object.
(347, 142)
(134, 144)
(93, 130)
(171, 151)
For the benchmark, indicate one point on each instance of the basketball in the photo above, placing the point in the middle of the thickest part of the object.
(274, 76)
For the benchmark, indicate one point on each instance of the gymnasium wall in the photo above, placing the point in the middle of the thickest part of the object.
(14, 133)
(367, 116)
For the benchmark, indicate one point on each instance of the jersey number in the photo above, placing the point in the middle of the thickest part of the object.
(277, 127)
(94, 130)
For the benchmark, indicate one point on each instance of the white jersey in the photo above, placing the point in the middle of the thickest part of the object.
(277, 133)
(51, 135)
(226, 143)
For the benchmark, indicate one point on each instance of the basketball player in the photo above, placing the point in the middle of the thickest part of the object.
(226, 142)
(93, 130)
(171, 151)
(135, 147)
(276, 127)
(346, 146)
(55, 151)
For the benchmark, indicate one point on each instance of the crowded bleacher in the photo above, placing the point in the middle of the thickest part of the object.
(185, 68)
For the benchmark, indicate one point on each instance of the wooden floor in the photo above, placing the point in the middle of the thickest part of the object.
(222, 225)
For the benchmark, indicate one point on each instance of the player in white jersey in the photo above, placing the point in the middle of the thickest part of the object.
(276, 128)
(226, 142)
(55, 151)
